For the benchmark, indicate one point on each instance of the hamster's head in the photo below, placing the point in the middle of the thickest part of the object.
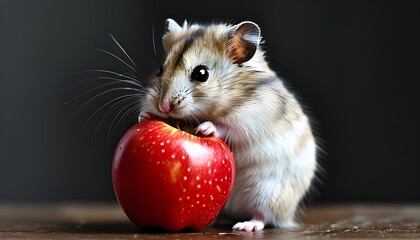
(200, 79)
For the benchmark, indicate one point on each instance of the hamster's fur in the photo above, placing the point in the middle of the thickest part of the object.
(243, 102)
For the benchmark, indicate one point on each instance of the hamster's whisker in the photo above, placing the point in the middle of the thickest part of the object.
(109, 112)
(227, 137)
(117, 74)
(90, 79)
(151, 95)
(202, 113)
(154, 86)
(118, 58)
(114, 101)
(123, 110)
(122, 49)
(154, 46)
(99, 87)
(81, 107)
(134, 112)
(192, 119)
(191, 91)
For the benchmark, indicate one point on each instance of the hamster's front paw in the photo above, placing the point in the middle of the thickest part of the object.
(249, 226)
(207, 129)
(146, 116)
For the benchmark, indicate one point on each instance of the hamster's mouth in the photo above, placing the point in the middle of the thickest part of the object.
(181, 124)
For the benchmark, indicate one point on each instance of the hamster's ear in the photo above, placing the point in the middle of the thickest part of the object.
(185, 24)
(171, 26)
(243, 41)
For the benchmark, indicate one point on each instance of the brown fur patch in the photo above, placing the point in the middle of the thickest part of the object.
(240, 49)
(187, 43)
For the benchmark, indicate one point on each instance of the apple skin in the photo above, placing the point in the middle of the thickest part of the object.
(166, 178)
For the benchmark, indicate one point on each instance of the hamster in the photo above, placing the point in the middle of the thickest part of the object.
(216, 77)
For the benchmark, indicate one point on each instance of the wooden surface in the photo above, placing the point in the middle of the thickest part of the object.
(105, 221)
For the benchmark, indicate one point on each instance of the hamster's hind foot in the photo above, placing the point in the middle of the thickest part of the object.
(249, 226)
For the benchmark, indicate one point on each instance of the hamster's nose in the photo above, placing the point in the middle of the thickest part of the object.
(166, 106)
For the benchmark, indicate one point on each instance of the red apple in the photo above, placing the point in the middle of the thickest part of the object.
(167, 178)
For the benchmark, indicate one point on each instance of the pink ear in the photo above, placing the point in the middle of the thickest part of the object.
(243, 41)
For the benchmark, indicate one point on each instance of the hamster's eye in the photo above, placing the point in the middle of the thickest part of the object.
(160, 71)
(200, 73)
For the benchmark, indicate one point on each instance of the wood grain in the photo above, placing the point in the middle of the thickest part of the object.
(107, 221)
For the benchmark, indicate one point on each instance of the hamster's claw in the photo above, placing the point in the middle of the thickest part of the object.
(249, 226)
(146, 116)
(207, 129)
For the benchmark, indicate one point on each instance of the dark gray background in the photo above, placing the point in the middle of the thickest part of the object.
(355, 64)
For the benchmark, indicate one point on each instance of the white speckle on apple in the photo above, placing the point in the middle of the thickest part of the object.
(225, 177)
(192, 205)
(198, 178)
(185, 178)
(158, 136)
(198, 195)
(211, 197)
(188, 197)
(214, 170)
(210, 171)
(221, 179)
(216, 180)
(168, 141)
(204, 205)
(180, 199)
(163, 151)
(208, 164)
(205, 181)
(198, 202)
(223, 162)
(153, 143)
(188, 169)
(162, 143)
(218, 188)
(210, 182)
(173, 156)
(158, 162)
(198, 186)
(183, 157)
(184, 190)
